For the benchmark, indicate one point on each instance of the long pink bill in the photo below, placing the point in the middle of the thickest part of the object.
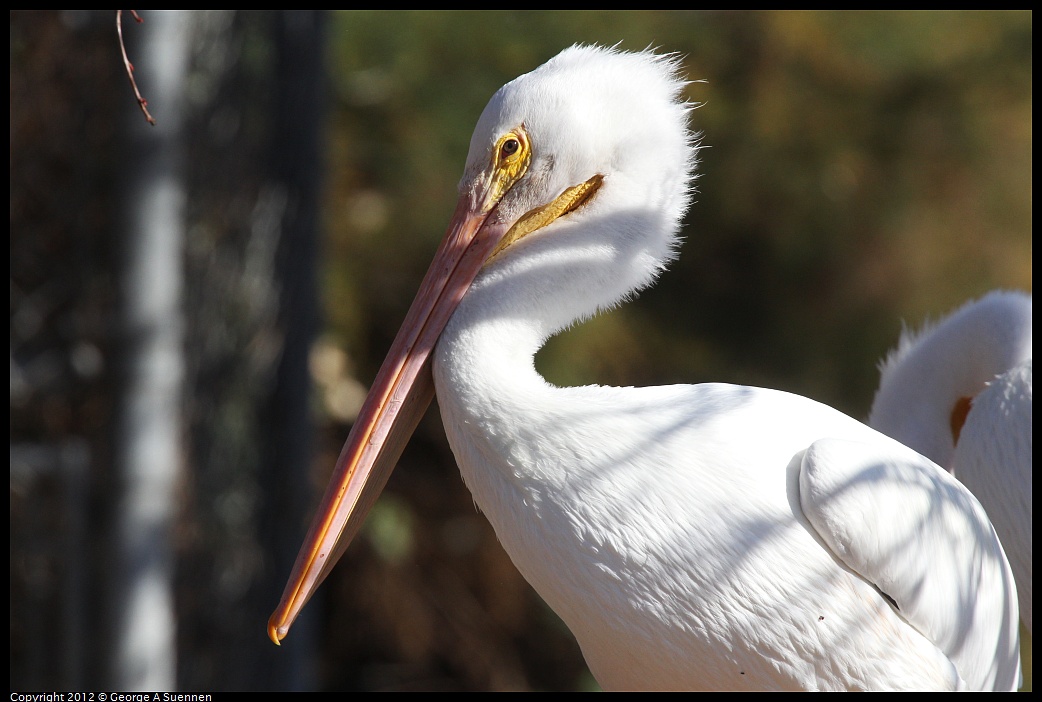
(396, 402)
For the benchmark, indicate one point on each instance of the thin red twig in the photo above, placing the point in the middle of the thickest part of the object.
(142, 102)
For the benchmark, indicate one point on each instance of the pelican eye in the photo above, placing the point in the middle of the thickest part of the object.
(509, 148)
(512, 147)
(511, 157)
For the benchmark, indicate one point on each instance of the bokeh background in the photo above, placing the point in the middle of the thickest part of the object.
(863, 170)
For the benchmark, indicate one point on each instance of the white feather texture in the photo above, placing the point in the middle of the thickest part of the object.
(687, 535)
(982, 351)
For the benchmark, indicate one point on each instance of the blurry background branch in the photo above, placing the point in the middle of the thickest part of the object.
(142, 102)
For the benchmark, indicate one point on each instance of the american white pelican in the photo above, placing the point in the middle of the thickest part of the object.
(959, 392)
(692, 537)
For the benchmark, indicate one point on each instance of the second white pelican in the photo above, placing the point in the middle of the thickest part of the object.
(959, 392)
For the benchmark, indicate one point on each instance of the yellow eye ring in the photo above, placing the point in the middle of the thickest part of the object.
(511, 147)
(510, 158)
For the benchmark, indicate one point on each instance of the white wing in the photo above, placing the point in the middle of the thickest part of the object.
(913, 531)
